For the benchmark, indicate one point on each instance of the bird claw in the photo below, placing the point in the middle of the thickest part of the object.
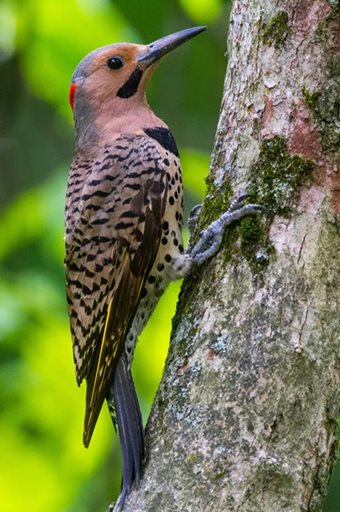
(211, 238)
(237, 202)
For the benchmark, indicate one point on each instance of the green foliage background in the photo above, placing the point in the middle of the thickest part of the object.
(43, 465)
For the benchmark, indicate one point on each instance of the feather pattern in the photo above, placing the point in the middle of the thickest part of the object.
(115, 207)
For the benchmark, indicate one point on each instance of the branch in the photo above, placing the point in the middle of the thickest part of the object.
(245, 416)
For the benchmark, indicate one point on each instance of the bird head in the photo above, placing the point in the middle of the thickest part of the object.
(114, 77)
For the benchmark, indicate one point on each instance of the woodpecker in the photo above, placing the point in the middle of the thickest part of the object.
(124, 214)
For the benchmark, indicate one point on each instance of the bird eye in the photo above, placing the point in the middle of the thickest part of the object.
(114, 63)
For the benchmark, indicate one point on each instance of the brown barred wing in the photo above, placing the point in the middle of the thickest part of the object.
(112, 242)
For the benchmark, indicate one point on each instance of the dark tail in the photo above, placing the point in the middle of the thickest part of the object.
(123, 397)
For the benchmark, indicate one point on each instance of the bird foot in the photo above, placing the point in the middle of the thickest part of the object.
(237, 202)
(211, 238)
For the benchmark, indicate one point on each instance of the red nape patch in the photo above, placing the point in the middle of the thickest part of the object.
(71, 94)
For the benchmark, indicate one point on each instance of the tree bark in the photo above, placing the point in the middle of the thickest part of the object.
(245, 416)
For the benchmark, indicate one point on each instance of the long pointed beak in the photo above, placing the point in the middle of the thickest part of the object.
(162, 46)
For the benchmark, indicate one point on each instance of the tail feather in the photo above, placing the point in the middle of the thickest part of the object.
(128, 417)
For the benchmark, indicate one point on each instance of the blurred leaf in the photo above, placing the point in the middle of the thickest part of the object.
(195, 168)
(202, 11)
(148, 18)
(7, 31)
(60, 36)
(37, 214)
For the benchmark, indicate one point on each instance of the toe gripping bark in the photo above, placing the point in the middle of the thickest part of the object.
(211, 238)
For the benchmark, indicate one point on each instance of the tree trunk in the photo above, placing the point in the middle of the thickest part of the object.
(245, 417)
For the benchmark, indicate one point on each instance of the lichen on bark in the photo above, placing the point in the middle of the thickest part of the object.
(276, 30)
(325, 107)
(277, 176)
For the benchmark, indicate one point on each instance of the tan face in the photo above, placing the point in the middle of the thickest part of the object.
(113, 71)
(120, 71)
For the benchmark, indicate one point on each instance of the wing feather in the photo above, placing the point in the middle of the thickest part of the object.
(108, 262)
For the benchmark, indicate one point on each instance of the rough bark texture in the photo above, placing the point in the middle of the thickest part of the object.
(245, 417)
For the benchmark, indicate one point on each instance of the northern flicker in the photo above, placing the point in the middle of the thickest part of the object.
(124, 210)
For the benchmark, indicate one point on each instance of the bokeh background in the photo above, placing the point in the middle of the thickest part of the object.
(43, 465)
